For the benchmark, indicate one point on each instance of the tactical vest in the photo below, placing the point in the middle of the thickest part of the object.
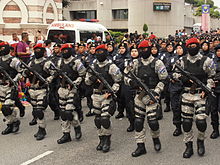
(68, 69)
(147, 74)
(196, 69)
(217, 77)
(104, 71)
(54, 59)
(6, 65)
(39, 68)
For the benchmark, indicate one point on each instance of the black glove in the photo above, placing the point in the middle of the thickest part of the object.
(93, 78)
(134, 84)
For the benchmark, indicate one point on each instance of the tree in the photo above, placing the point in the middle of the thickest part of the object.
(66, 3)
(145, 28)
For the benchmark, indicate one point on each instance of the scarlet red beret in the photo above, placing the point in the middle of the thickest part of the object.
(192, 41)
(40, 45)
(66, 46)
(3, 43)
(103, 46)
(143, 44)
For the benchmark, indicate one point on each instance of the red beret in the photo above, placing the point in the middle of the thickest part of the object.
(103, 46)
(192, 41)
(143, 44)
(66, 46)
(40, 45)
(3, 43)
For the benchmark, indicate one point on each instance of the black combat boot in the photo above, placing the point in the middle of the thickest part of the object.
(131, 126)
(56, 115)
(22, 110)
(178, 130)
(107, 143)
(140, 150)
(65, 138)
(215, 132)
(33, 121)
(41, 133)
(167, 109)
(101, 143)
(189, 150)
(78, 133)
(8, 129)
(16, 125)
(90, 114)
(157, 144)
(200, 147)
(119, 115)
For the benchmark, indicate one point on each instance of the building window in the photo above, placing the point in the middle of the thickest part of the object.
(120, 14)
(86, 14)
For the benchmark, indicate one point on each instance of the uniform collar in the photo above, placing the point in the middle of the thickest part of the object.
(37, 61)
(68, 59)
(101, 64)
(6, 57)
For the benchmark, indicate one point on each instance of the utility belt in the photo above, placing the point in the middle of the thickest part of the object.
(38, 88)
(192, 90)
(96, 91)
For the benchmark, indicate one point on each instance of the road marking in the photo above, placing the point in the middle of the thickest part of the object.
(37, 158)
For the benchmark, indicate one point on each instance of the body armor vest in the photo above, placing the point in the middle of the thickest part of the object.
(68, 69)
(147, 74)
(39, 69)
(6, 65)
(104, 71)
(196, 69)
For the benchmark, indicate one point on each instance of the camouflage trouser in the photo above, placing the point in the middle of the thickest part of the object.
(66, 101)
(142, 109)
(39, 103)
(100, 107)
(193, 104)
(5, 99)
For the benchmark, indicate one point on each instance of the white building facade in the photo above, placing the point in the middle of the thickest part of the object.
(17, 16)
(162, 16)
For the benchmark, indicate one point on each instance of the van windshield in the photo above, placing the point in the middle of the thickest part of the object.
(65, 36)
(85, 35)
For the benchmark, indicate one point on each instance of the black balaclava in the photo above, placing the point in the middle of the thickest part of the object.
(5, 51)
(145, 54)
(101, 55)
(193, 51)
(67, 54)
(39, 52)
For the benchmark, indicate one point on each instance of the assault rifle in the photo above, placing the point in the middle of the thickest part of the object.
(3, 71)
(38, 76)
(144, 87)
(211, 100)
(103, 81)
(63, 75)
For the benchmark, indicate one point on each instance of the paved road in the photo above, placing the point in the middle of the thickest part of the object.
(16, 149)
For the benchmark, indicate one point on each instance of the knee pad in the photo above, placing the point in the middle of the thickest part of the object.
(6, 110)
(138, 124)
(97, 121)
(69, 115)
(187, 125)
(38, 113)
(63, 115)
(154, 125)
(105, 122)
(201, 125)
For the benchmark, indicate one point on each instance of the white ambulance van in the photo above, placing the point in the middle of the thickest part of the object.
(76, 31)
